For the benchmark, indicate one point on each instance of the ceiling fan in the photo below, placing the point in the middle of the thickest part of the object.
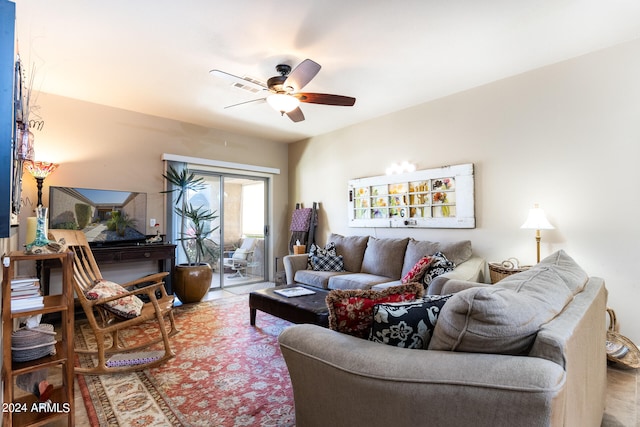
(285, 96)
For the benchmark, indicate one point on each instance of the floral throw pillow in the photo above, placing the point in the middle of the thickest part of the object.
(417, 271)
(439, 265)
(127, 307)
(407, 324)
(351, 311)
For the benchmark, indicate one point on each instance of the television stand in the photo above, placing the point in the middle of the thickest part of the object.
(164, 253)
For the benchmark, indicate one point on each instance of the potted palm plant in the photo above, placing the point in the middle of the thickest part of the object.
(192, 279)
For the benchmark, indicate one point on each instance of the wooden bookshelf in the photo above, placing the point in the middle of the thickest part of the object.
(27, 410)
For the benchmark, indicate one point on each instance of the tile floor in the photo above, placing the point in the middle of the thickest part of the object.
(623, 399)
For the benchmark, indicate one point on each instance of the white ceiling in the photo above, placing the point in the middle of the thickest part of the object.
(154, 56)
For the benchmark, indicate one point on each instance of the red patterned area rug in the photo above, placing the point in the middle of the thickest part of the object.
(225, 373)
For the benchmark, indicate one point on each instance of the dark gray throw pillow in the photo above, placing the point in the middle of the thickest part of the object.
(407, 324)
(384, 257)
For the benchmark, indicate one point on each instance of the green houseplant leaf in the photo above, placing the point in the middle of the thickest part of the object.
(195, 221)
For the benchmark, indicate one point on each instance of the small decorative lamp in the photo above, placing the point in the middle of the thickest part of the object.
(537, 220)
(40, 170)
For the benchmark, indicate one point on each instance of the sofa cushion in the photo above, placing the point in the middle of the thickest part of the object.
(407, 324)
(503, 318)
(416, 249)
(457, 252)
(327, 263)
(573, 275)
(319, 279)
(417, 271)
(385, 285)
(351, 311)
(352, 250)
(355, 281)
(384, 257)
(439, 265)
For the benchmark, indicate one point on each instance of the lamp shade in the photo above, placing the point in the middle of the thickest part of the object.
(283, 103)
(537, 220)
(40, 169)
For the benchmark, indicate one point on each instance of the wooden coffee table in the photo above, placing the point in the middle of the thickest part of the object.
(302, 309)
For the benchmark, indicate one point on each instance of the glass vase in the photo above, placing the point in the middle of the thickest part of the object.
(41, 228)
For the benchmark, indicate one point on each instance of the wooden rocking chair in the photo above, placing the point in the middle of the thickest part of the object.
(105, 323)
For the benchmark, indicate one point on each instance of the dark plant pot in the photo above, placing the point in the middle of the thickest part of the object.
(192, 282)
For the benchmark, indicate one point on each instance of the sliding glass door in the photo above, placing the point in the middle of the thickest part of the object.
(239, 240)
(244, 229)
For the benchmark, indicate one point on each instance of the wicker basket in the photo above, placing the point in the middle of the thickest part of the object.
(621, 351)
(498, 271)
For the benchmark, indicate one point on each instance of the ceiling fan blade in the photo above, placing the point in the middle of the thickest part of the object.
(241, 82)
(325, 98)
(246, 102)
(296, 115)
(301, 75)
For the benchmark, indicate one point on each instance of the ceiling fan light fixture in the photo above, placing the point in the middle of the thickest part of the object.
(283, 103)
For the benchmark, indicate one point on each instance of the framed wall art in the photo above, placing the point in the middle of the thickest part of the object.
(430, 198)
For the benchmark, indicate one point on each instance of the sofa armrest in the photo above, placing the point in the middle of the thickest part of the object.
(293, 263)
(452, 286)
(472, 270)
(340, 380)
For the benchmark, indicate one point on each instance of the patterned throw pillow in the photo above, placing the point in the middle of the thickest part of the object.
(327, 263)
(438, 266)
(329, 250)
(317, 251)
(417, 271)
(407, 324)
(127, 307)
(351, 311)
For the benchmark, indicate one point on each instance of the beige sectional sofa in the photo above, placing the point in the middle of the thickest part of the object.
(372, 263)
(527, 351)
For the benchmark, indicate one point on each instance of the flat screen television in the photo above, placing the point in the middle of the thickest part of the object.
(107, 217)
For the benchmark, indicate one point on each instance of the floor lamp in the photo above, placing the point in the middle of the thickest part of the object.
(537, 220)
(39, 170)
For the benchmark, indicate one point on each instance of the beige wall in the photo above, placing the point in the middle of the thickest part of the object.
(566, 136)
(109, 148)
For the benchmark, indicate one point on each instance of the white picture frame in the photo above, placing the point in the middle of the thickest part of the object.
(431, 198)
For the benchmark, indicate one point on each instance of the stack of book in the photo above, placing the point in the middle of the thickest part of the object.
(25, 294)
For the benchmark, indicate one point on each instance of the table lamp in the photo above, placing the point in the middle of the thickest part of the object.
(537, 220)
